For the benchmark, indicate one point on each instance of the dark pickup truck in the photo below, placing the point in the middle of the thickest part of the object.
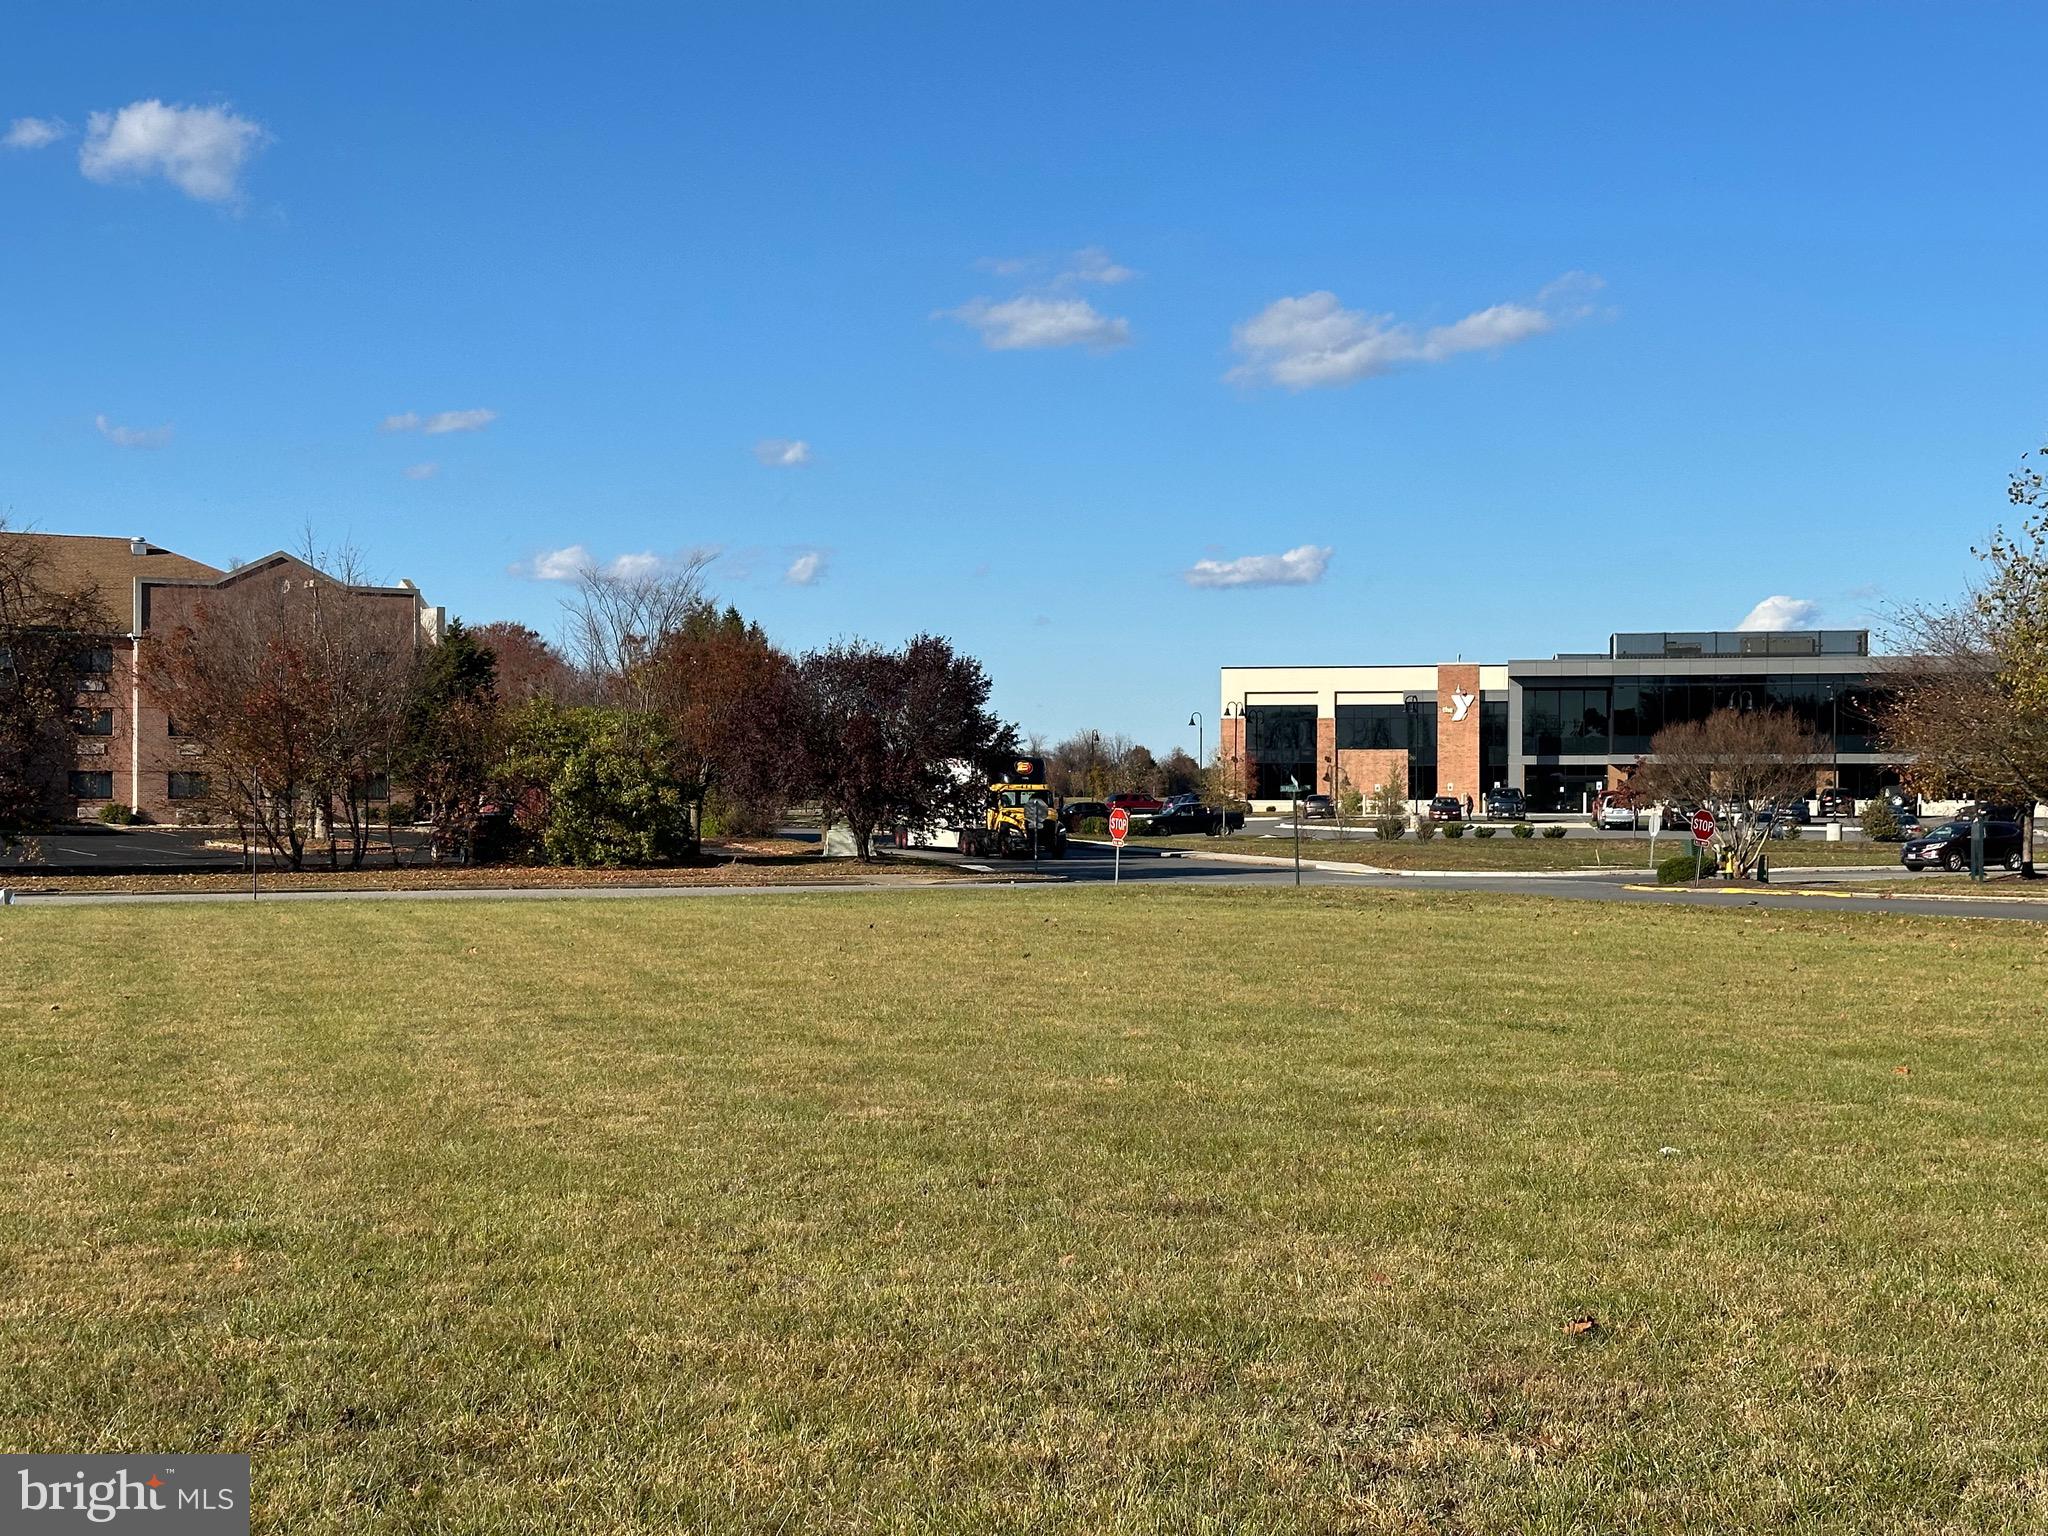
(1186, 817)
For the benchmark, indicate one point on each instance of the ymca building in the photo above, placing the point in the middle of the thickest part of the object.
(1559, 729)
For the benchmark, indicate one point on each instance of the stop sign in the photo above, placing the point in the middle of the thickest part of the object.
(1703, 826)
(1119, 824)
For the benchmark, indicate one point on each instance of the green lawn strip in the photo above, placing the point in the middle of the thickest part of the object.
(995, 1212)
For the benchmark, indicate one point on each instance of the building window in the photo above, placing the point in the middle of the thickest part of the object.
(92, 786)
(171, 727)
(93, 722)
(1493, 742)
(1566, 720)
(188, 786)
(96, 661)
(1281, 742)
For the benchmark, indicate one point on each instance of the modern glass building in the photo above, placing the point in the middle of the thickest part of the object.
(1559, 729)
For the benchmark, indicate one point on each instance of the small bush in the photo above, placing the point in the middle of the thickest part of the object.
(119, 815)
(1454, 829)
(1523, 829)
(401, 813)
(1677, 868)
(1553, 830)
(1484, 831)
(1389, 832)
(1880, 825)
(1092, 826)
(1425, 829)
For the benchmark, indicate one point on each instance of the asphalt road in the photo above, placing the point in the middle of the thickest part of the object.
(1096, 866)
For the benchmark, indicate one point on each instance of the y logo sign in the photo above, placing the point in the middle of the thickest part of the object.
(1461, 705)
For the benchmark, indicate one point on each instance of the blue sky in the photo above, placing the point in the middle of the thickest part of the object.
(1413, 333)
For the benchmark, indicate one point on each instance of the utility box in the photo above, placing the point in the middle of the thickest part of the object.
(1834, 832)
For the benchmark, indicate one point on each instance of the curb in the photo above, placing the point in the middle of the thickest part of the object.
(1751, 888)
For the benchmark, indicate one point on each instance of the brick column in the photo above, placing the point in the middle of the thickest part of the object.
(1326, 747)
(1457, 741)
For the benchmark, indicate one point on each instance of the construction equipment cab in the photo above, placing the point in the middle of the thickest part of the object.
(1022, 816)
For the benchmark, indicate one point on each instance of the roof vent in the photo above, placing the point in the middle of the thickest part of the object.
(138, 546)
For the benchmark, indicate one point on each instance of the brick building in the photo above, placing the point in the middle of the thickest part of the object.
(1560, 729)
(125, 749)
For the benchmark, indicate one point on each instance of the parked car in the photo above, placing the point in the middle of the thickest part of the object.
(1136, 804)
(1446, 808)
(1837, 803)
(1796, 813)
(1193, 818)
(1949, 846)
(1612, 813)
(2013, 813)
(1505, 805)
(1318, 808)
(1074, 812)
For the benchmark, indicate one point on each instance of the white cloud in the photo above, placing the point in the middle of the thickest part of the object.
(199, 150)
(1312, 341)
(1301, 566)
(783, 452)
(557, 564)
(440, 422)
(805, 568)
(1782, 613)
(33, 132)
(132, 437)
(571, 561)
(1090, 264)
(1037, 320)
(421, 471)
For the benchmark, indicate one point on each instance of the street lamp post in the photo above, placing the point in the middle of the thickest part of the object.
(1201, 754)
(1231, 711)
(1408, 703)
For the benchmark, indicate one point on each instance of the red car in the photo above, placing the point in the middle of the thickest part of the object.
(1137, 805)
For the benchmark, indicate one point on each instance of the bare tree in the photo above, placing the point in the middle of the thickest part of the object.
(1740, 763)
(296, 690)
(618, 621)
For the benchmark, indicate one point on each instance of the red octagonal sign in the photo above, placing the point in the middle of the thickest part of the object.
(1119, 824)
(1703, 826)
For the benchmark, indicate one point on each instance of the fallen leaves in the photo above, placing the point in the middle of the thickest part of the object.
(1582, 1325)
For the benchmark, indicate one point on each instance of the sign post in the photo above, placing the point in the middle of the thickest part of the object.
(1293, 787)
(1119, 825)
(1702, 834)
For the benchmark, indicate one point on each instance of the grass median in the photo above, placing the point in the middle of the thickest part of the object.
(1507, 852)
(1343, 1211)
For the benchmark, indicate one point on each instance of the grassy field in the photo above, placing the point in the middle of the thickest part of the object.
(1506, 852)
(1326, 1211)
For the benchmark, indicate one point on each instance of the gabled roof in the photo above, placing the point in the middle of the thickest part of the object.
(76, 561)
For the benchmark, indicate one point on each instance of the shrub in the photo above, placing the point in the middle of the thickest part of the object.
(119, 815)
(1523, 829)
(1484, 831)
(592, 786)
(1553, 830)
(1092, 826)
(1454, 829)
(1880, 825)
(1389, 813)
(401, 813)
(1677, 869)
(1425, 829)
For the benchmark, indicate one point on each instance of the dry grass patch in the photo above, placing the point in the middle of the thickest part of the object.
(1223, 1210)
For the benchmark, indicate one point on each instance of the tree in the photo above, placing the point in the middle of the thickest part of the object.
(1969, 699)
(591, 786)
(1741, 762)
(44, 627)
(1180, 774)
(728, 699)
(883, 733)
(619, 622)
(1390, 810)
(297, 693)
(446, 739)
(1224, 782)
(527, 666)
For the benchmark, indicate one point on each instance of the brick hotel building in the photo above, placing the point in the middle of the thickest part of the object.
(125, 749)
(1558, 729)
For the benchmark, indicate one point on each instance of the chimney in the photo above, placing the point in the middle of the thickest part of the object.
(138, 546)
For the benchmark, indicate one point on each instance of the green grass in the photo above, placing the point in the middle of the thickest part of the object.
(1507, 852)
(1052, 1210)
